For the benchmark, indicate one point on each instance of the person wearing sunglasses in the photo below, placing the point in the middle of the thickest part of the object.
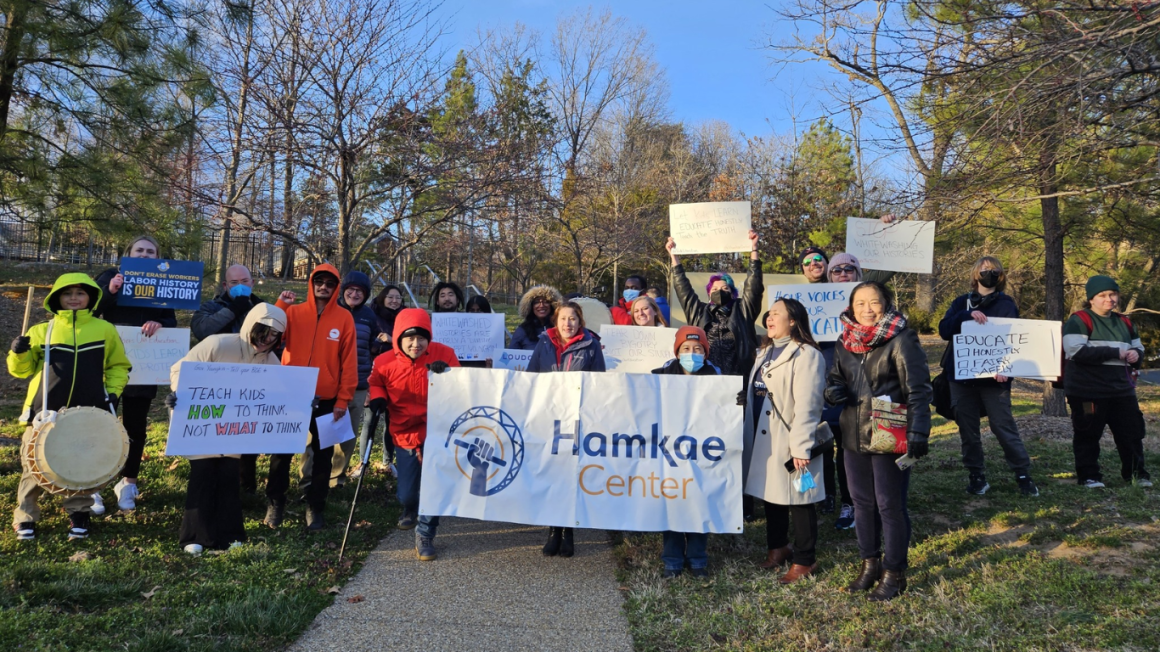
(319, 333)
(972, 399)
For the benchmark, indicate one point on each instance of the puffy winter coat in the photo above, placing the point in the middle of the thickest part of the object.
(794, 383)
(996, 304)
(326, 342)
(1094, 368)
(897, 368)
(622, 313)
(744, 313)
(86, 355)
(527, 334)
(118, 315)
(582, 355)
(218, 316)
(366, 325)
(403, 381)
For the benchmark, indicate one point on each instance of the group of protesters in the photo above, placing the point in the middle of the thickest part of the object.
(828, 427)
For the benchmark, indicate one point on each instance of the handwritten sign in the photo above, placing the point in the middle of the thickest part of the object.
(161, 283)
(824, 303)
(152, 357)
(906, 246)
(474, 336)
(514, 359)
(1018, 348)
(230, 409)
(710, 227)
(637, 349)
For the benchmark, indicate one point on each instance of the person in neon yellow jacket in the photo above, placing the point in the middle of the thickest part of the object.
(88, 367)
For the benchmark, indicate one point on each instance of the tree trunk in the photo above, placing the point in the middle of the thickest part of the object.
(224, 251)
(1054, 404)
(10, 61)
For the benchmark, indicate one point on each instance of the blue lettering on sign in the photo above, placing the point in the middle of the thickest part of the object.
(595, 444)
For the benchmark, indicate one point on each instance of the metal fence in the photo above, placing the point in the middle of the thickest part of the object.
(61, 243)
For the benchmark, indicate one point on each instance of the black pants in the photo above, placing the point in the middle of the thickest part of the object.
(1122, 414)
(248, 473)
(881, 519)
(213, 508)
(831, 462)
(135, 417)
(805, 530)
(279, 479)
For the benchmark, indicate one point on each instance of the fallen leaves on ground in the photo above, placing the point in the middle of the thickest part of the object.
(357, 598)
(151, 592)
(83, 555)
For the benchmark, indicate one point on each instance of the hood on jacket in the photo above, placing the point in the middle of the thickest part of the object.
(540, 291)
(333, 303)
(265, 314)
(410, 318)
(52, 301)
(359, 280)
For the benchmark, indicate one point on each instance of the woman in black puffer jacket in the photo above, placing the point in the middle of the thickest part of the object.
(879, 356)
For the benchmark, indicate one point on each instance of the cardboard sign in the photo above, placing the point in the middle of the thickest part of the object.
(152, 357)
(824, 303)
(161, 283)
(230, 409)
(513, 359)
(710, 227)
(1017, 348)
(473, 335)
(637, 349)
(904, 246)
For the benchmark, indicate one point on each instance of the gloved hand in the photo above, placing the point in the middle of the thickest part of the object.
(22, 344)
(742, 397)
(171, 401)
(378, 405)
(836, 395)
(916, 445)
(114, 400)
(240, 305)
(438, 366)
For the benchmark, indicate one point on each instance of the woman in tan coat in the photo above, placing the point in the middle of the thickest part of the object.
(781, 421)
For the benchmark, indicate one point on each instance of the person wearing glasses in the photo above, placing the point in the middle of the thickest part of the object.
(319, 333)
(991, 396)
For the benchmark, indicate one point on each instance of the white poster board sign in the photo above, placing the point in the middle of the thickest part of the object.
(719, 227)
(1018, 348)
(230, 409)
(513, 359)
(331, 432)
(903, 246)
(637, 349)
(152, 357)
(824, 302)
(639, 452)
(473, 335)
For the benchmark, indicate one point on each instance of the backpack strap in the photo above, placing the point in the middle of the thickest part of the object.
(1086, 318)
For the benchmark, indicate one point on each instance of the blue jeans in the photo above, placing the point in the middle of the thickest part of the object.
(410, 474)
(681, 547)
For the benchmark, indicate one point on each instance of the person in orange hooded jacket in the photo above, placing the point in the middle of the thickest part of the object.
(398, 387)
(320, 334)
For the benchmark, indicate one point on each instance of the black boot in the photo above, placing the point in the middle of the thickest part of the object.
(553, 545)
(314, 519)
(893, 583)
(566, 545)
(275, 512)
(871, 573)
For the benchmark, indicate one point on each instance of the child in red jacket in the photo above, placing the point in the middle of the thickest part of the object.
(398, 386)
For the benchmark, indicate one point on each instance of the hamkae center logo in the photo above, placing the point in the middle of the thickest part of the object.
(488, 442)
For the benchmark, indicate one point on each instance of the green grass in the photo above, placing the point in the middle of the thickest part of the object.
(1070, 570)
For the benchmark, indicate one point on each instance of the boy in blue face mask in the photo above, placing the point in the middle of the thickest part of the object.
(692, 349)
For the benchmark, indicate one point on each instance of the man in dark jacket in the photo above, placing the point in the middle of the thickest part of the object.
(446, 297)
(226, 312)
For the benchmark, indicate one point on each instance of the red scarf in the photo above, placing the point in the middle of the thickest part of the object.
(554, 335)
(861, 339)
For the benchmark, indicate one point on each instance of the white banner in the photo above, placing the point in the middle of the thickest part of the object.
(513, 359)
(720, 227)
(152, 357)
(903, 246)
(229, 409)
(589, 450)
(473, 335)
(637, 349)
(824, 303)
(1019, 348)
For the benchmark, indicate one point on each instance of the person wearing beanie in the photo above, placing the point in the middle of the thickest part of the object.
(1103, 352)
(813, 263)
(398, 388)
(691, 350)
(990, 396)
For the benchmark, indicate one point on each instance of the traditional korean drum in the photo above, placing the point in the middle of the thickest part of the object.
(79, 451)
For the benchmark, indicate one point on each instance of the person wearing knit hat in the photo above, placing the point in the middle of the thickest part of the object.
(844, 268)
(1103, 351)
(813, 262)
(691, 348)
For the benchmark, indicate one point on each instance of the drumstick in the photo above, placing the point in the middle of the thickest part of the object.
(27, 310)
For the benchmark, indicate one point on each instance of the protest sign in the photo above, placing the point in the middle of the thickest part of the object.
(331, 432)
(636, 349)
(152, 357)
(710, 227)
(903, 246)
(160, 283)
(229, 409)
(514, 359)
(473, 335)
(1018, 348)
(639, 452)
(824, 302)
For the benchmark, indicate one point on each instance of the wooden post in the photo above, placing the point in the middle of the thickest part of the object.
(27, 310)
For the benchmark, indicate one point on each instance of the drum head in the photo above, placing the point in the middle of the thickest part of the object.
(596, 314)
(83, 449)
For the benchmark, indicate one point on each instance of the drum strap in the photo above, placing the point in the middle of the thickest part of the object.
(44, 374)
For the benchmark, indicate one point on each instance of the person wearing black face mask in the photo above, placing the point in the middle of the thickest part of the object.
(974, 398)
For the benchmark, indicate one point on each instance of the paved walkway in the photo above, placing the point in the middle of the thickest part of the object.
(490, 589)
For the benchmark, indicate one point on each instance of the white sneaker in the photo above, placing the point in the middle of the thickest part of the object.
(394, 471)
(98, 507)
(236, 544)
(1143, 482)
(1093, 484)
(126, 495)
(194, 549)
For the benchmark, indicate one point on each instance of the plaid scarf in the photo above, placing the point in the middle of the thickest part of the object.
(861, 339)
